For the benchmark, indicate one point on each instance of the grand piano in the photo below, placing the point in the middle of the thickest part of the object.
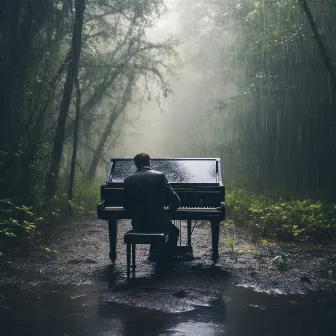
(197, 181)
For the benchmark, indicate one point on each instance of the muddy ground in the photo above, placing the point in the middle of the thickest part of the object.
(77, 291)
(82, 257)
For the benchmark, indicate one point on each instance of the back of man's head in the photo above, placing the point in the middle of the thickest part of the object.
(142, 160)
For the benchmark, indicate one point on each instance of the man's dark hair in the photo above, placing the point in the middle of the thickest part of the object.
(141, 160)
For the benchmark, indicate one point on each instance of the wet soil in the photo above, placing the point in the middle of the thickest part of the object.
(251, 291)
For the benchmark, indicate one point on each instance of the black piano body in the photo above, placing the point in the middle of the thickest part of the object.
(197, 181)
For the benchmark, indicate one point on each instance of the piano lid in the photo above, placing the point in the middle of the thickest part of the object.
(183, 170)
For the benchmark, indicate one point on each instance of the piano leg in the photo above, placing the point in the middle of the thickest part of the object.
(215, 239)
(189, 255)
(113, 232)
(189, 232)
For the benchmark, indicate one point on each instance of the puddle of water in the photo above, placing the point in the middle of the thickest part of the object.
(269, 291)
(197, 328)
(89, 310)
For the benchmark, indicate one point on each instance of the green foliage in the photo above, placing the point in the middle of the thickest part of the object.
(18, 221)
(85, 199)
(87, 195)
(49, 251)
(267, 25)
(283, 219)
(24, 223)
(230, 242)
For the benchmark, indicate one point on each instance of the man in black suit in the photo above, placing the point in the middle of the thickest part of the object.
(146, 192)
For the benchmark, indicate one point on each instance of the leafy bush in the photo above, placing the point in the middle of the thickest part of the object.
(285, 219)
(22, 223)
(18, 221)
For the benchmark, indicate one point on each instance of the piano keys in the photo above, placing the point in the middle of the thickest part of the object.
(198, 182)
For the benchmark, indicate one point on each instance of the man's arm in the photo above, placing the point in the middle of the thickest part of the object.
(127, 197)
(173, 199)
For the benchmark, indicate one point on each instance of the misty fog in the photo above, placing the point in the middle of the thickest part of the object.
(173, 129)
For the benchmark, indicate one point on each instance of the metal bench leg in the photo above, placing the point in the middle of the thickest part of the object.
(133, 258)
(128, 260)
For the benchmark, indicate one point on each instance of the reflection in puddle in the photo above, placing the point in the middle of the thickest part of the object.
(269, 291)
(164, 300)
(193, 328)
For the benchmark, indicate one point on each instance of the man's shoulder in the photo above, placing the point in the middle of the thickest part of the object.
(156, 172)
(157, 175)
(129, 178)
(150, 173)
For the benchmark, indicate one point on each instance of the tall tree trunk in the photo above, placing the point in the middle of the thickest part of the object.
(75, 143)
(72, 73)
(100, 90)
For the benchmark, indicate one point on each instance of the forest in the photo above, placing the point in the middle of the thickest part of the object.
(70, 70)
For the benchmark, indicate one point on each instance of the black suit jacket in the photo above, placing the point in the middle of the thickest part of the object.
(146, 192)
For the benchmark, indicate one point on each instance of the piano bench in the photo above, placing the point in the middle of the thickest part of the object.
(132, 238)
